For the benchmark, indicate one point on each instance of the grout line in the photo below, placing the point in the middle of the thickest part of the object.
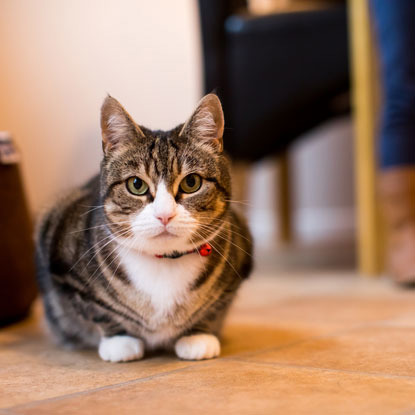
(325, 369)
(242, 357)
(191, 365)
(10, 410)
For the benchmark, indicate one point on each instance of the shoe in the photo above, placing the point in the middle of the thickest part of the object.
(397, 195)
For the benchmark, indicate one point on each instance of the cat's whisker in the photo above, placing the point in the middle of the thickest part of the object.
(99, 226)
(227, 228)
(215, 219)
(97, 252)
(91, 210)
(242, 202)
(119, 256)
(104, 261)
(217, 250)
(234, 232)
(194, 245)
(91, 248)
(233, 243)
(219, 220)
(197, 250)
(230, 230)
(213, 230)
(112, 235)
(141, 228)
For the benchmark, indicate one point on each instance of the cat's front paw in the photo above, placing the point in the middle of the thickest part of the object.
(120, 349)
(197, 347)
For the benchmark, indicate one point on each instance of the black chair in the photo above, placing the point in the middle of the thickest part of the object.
(277, 75)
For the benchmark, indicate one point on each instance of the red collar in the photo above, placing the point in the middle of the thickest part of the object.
(204, 250)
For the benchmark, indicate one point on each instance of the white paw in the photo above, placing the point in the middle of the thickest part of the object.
(120, 349)
(197, 347)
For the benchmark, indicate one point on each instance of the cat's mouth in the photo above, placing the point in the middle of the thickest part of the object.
(165, 234)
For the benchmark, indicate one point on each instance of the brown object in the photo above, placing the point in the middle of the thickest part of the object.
(17, 271)
(262, 7)
(397, 192)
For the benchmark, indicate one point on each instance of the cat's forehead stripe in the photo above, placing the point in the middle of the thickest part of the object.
(163, 155)
(162, 160)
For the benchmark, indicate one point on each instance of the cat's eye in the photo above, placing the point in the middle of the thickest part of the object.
(191, 183)
(136, 186)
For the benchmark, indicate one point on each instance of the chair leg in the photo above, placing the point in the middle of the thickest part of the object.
(365, 90)
(284, 199)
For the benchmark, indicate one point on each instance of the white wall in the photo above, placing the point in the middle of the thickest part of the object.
(322, 177)
(59, 58)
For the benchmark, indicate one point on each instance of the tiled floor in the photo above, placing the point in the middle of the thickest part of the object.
(294, 343)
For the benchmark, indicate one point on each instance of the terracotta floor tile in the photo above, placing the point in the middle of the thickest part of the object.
(381, 350)
(240, 339)
(242, 388)
(404, 320)
(270, 288)
(298, 342)
(325, 313)
(32, 368)
(29, 361)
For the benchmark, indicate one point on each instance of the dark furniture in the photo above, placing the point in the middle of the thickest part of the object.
(277, 75)
(17, 271)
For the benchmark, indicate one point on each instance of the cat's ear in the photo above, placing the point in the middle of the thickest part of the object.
(117, 126)
(206, 123)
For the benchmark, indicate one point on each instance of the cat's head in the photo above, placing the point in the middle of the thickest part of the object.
(164, 191)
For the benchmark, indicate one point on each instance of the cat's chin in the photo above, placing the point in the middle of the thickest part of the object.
(162, 244)
(165, 234)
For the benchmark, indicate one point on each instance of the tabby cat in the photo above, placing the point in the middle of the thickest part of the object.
(149, 254)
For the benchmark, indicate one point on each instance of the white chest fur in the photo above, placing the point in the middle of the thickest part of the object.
(165, 281)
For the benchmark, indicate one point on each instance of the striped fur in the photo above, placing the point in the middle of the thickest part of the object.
(99, 277)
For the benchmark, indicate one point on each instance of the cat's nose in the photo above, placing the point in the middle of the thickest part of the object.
(166, 218)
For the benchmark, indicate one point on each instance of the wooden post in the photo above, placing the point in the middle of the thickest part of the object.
(365, 103)
(284, 199)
